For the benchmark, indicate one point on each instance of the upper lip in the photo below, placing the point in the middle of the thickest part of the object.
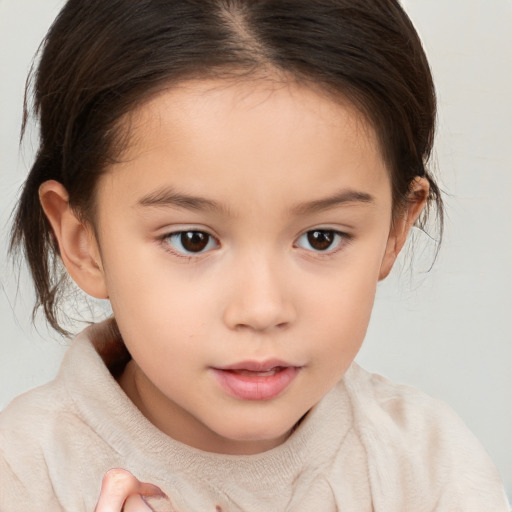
(256, 366)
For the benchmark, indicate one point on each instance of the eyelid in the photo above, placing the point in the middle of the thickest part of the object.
(167, 231)
(344, 239)
(169, 234)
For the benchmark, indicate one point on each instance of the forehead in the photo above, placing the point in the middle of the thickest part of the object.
(268, 135)
(202, 106)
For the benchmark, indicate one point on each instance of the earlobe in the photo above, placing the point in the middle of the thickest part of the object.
(402, 224)
(78, 247)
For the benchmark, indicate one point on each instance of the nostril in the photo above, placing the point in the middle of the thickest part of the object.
(251, 327)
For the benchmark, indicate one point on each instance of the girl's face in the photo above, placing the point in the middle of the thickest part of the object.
(241, 238)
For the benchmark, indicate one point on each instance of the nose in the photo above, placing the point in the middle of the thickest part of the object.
(260, 297)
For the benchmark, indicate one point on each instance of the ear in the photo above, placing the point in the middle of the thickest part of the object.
(402, 224)
(77, 243)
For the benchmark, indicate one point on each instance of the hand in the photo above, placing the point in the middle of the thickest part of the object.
(122, 492)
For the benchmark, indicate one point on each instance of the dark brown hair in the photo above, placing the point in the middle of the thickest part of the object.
(100, 60)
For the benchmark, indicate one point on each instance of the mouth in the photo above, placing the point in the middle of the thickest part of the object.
(251, 380)
(262, 373)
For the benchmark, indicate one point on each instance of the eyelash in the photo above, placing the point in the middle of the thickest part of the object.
(178, 236)
(340, 239)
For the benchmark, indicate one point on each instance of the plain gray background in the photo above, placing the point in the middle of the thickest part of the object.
(447, 331)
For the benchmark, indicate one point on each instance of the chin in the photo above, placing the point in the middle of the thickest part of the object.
(256, 437)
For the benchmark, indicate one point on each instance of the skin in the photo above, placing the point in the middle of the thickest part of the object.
(271, 163)
(120, 490)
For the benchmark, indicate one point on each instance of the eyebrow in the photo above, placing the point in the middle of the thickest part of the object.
(341, 198)
(168, 197)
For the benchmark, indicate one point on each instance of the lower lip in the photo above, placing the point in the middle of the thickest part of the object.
(257, 387)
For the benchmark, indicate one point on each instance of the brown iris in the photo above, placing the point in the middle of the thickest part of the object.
(194, 241)
(321, 239)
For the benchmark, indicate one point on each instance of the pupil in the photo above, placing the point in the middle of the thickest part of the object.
(320, 240)
(194, 241)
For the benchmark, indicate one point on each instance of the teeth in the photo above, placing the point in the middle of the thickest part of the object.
(262, 373)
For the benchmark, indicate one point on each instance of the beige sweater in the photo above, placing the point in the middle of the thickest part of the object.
(368, 445)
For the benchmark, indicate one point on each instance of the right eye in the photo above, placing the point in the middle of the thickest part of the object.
(322, 240)
(191, 242)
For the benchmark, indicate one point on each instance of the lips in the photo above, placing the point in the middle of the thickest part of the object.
(263, 373)
(253, 380)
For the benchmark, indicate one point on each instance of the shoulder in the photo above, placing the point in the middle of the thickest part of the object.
(28, 429)
(400, 406)
(419, 449)
(48, 438)
(35, 414)
(33, 420)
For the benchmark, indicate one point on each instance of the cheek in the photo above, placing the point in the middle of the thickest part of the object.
(161, 306)
(346, 293)
(345, 317)
(146, 298)
(340, 308)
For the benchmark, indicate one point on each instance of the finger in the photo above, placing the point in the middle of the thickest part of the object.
(159, 503)
(117, 486)
(138, 503)
(135, 503)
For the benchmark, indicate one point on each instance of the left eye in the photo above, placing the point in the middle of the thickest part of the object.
(191, 242)
(321, 240)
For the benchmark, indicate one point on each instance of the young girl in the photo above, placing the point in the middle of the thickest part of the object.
(235, 176)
